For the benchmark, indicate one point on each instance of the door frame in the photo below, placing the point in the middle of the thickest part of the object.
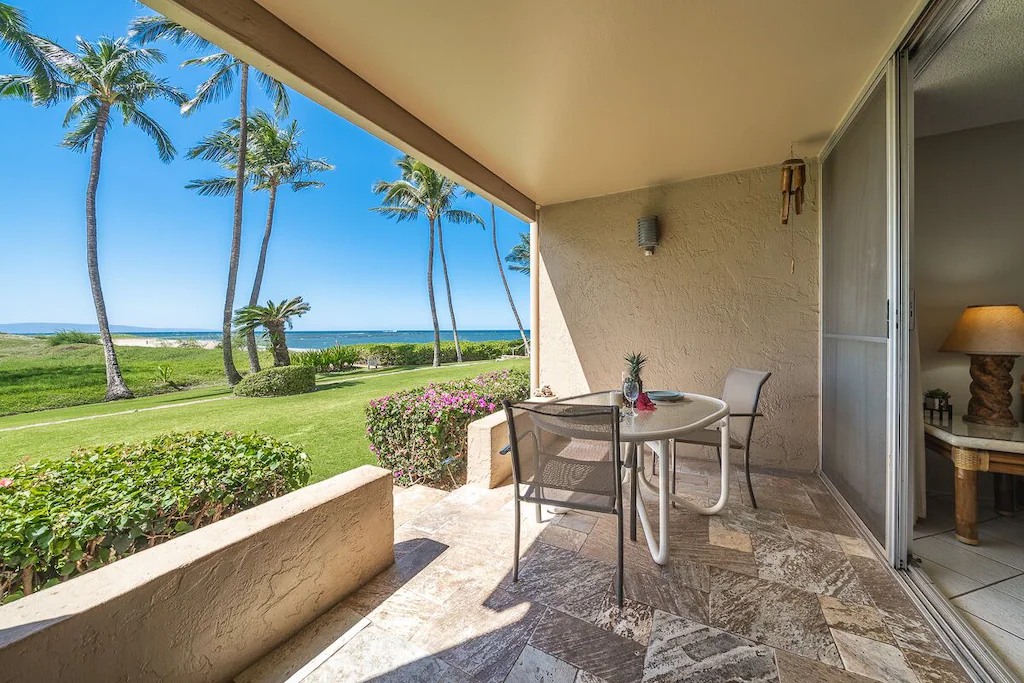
(888, 73)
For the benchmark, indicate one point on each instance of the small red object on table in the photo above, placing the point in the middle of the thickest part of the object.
(644, 402)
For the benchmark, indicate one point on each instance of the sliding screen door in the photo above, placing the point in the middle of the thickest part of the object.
(855, 194)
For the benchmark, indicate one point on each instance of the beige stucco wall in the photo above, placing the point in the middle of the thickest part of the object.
(202, 607)
(720, 291)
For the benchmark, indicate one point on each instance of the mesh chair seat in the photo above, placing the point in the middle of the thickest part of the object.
(579, 474)
(568, 456)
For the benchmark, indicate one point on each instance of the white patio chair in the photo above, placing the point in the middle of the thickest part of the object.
(742, 392)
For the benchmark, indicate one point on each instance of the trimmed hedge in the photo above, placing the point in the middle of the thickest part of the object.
(331, 359)
(420, 434)
(280, 381)
(339, 357)
(61, 518)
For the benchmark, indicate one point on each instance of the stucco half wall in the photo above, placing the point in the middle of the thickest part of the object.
(728, 286)
(203, 607)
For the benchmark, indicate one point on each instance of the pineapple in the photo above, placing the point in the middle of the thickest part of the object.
(634, 365)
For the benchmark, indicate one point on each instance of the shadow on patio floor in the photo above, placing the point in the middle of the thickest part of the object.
(787, 592)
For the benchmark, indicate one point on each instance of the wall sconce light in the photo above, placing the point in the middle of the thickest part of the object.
(647, 234)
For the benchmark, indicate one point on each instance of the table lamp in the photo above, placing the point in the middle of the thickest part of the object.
(993, 336)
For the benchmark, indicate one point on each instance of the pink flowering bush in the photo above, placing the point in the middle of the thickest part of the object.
(420, 434)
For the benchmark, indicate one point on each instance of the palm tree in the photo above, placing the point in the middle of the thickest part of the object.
(504, 281)
(421, 191)
(275, 159)
(272, 317)
(28, 52)
(104, 77)
(518, 259)
(214, 89)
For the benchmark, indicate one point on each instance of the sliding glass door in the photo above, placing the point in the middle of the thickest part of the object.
(859, 262)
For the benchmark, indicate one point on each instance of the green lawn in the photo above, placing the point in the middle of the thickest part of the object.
(37, 376)
(329, 423)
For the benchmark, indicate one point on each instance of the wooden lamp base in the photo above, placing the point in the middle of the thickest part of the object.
(990, 391)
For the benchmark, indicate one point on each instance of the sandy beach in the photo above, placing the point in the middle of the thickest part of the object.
(163, 343)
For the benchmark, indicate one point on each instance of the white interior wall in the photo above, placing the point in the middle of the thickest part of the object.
(968, 248)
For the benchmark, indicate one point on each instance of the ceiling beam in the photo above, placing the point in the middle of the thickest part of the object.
(256, 36)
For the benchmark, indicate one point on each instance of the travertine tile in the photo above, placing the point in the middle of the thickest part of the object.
(684, 650)
(375, 655)
(725, 537)
(932, 669)
(819, 571)
(873, 659)
(578, 521)
(796, 669)
(564, 580)
(563, 537)
(771, 613)
(864, 620)
(459, 569)
(823, 522)
(411, 557)
(672, 590)
(632, 620)
(882, 587)
(815, 539)
(611, 657)
(914, 634)
(855, 546)
(534, 666)
(411, 501)
(481, 634)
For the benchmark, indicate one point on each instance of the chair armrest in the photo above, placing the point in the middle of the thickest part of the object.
(746, 414)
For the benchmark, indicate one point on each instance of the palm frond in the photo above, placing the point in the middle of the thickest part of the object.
(220, 146)
(80, 137)
(213, 187)
(147, 125)
(214, 89)
(154, 27)
(24, 49)
(399, 213)
(518, 259)
(463, 217)
(277, 93)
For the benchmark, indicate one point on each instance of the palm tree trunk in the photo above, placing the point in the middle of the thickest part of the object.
(236, 229)
(116, 387)
(448, 291)
(430, 295)
(504, 281)
(250, 338)
(278, 344)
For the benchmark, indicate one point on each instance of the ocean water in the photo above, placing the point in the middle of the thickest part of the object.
(321, 340)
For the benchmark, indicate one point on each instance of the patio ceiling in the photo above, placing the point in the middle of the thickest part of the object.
(578, 98)
(536, 102)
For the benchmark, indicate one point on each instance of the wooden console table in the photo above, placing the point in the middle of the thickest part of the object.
(976, 448)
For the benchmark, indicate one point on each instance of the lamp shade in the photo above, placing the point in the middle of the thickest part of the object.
(988, 331)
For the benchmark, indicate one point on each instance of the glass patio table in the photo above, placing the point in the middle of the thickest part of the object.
(657, 428)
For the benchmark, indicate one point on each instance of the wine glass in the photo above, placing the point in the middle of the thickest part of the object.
(631, 391)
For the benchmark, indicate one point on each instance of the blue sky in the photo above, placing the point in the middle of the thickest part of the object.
(163, 250)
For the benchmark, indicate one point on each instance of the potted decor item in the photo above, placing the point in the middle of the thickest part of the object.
(634, 366)
(936, 399)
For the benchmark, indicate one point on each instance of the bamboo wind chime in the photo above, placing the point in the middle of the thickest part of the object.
(794, 176)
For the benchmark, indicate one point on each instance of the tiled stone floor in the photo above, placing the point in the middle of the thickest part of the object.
(786, 593)
(984, 582)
